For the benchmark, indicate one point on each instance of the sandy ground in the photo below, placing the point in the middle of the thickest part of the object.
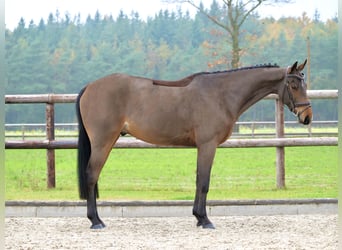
(233, 232)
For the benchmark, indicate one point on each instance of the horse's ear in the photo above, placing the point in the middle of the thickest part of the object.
(293, 68)
(301, 67)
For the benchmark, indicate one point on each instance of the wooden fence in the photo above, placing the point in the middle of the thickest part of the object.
(50, 144)
(244, 129)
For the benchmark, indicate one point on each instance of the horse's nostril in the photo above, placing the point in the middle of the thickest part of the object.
(307, 120)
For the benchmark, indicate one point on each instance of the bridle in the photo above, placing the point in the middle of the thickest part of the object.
(293, 103)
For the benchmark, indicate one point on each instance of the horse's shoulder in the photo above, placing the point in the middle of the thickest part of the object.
(178, 83)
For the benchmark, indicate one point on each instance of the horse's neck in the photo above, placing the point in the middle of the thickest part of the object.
(255, 86)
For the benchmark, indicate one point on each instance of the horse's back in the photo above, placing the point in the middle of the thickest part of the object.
(117, 83)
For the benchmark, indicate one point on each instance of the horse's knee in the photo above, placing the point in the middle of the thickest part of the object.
(205, 188)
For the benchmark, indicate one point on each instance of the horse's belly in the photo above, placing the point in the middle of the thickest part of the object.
(162, 135)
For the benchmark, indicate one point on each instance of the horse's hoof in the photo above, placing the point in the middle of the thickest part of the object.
(208, 226)
(98, 226)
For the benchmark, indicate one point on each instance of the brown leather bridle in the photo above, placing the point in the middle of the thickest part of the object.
(293, 103)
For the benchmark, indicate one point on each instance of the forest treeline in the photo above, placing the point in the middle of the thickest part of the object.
(61, 54)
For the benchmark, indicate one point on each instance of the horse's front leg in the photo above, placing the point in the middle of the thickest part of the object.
(205, 157)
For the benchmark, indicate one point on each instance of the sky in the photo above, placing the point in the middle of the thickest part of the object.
(37, 9)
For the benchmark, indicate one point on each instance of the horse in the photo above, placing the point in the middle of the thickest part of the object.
(197, 111)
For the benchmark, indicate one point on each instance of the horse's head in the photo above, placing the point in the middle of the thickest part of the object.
(294, 93)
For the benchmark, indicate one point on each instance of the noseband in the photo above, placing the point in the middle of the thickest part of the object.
(295, 104)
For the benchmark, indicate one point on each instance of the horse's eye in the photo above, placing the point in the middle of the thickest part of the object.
(294, 86)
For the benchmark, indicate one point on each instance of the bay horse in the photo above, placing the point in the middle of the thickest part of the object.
(199, 111)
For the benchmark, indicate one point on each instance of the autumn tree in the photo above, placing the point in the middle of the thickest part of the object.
(233, 15)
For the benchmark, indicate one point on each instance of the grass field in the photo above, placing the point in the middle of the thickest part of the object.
(169, 174)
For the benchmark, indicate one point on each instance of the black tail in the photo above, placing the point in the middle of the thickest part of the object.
(84, 151)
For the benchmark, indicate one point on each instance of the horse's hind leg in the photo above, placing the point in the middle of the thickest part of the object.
(95, 165)
(99, 155)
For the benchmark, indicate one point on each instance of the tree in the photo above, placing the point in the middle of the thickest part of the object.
(234, 14)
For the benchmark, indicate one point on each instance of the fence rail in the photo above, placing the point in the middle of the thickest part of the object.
(134, 143)
(251, 129)
(50, 144)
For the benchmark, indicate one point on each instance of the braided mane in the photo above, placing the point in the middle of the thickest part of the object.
(258, 66)
(186, 81)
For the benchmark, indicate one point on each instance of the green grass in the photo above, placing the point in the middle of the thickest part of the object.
(169, 174)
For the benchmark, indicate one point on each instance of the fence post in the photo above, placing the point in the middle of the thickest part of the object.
(23, 132)
(280, 151)
(50, 153)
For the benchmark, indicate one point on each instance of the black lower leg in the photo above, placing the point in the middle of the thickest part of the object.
(199, 209)
(206, 153)
(202, 218)
(92, 214)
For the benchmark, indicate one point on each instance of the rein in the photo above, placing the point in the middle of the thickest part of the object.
(295, 104)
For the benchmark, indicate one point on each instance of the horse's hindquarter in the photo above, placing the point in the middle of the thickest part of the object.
(102, 107)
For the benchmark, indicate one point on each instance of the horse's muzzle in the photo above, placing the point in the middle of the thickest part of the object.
(305, 115)
(307, 120)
